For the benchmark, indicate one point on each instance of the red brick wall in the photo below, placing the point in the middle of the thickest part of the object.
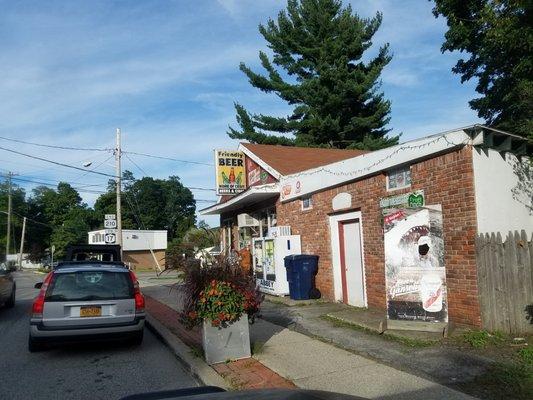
(447, 180)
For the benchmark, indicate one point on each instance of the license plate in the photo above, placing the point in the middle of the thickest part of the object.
(90, 311)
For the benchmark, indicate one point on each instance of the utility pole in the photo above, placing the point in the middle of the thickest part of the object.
(22, 241)
(8, 238)
(118, 172)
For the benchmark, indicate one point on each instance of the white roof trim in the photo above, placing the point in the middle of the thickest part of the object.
(260, 162)
(269, 188)
(317, 179)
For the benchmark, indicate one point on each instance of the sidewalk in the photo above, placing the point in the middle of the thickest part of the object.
(283, 358)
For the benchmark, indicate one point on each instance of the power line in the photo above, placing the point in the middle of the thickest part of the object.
(167, 158)
(146, 174)
(56, 162)
(134, 163)
(80, 189)
(56, 147)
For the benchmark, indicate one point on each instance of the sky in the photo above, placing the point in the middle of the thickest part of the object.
(166, 73)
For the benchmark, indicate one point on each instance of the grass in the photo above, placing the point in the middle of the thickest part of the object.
(257, 347)
(525, 355)
(480, 339)
(406, 341)
(509, 381)
(197, 352)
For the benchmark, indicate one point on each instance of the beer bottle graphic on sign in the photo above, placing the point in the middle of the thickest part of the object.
(232, 176)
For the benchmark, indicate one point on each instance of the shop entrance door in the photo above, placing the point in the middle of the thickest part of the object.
(352, 275)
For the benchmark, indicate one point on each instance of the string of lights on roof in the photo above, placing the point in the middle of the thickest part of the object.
(381, 161)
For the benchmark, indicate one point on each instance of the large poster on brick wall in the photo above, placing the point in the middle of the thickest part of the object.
(415, 274)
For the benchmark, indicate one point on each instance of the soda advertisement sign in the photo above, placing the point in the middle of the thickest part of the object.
(415, 275)
(230, 172)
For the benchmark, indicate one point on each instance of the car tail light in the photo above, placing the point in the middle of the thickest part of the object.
(38, 303)
(139, 298)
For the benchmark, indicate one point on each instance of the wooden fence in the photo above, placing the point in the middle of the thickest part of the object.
(505, 282)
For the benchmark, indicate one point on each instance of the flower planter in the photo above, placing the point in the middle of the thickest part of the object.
(226, 343)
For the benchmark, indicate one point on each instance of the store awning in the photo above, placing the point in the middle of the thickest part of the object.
(250, 196)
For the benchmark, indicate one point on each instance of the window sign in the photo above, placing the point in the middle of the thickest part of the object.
(399, 178)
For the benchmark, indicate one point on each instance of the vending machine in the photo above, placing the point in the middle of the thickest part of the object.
(269, 265)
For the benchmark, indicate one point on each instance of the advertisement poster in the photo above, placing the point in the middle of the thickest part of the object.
(264, 266)
(230, 172)
(414, 264)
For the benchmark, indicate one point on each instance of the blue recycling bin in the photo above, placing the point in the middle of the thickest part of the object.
(301, 271)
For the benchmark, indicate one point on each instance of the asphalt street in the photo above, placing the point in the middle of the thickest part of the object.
(96, 371)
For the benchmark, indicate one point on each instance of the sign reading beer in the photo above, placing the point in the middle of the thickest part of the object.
(231, 172)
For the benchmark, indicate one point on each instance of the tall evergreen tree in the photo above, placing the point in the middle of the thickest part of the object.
(319, 46)
(498, 36)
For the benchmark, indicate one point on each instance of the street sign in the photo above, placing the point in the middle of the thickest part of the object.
(110, 216)
(110, 223)
(110, 238)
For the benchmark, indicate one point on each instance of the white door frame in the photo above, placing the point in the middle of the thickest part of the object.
(334, 221)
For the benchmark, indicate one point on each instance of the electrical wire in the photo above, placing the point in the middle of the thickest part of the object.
(55, 162)
(55, 147)
(167, 158)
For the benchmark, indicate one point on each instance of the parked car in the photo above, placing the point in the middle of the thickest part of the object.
(8, 286)
(82, 301)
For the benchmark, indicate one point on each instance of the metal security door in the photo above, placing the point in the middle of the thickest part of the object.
(353, 287)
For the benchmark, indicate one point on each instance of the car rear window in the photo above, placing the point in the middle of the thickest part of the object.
(90, 285)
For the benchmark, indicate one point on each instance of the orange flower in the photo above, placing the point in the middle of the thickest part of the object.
(193, 315)
(215, 322)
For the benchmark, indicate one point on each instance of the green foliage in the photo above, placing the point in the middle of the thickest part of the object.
(510, 380)
(150, 203)
(482, 339)
(220, 292)
(526, 355)
(220, 303)
(497, 34)
(317, 68)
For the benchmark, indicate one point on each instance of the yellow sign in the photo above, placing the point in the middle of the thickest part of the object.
(231, 172)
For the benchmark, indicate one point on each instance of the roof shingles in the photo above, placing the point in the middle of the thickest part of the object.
(289, 160)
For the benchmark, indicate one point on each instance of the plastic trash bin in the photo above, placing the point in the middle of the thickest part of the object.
(301, 271)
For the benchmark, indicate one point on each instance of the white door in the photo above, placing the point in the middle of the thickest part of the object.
(351, 263)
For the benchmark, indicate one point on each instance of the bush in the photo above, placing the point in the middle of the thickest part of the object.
(220, 292)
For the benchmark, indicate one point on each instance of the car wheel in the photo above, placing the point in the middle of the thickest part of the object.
(137, 339)
(11, 302)
(34, 346)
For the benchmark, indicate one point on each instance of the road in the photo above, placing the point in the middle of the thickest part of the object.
(99, 371)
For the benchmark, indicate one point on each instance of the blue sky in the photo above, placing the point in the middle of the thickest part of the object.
(166, 73)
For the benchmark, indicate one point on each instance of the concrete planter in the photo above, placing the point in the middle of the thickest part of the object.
(230, 343)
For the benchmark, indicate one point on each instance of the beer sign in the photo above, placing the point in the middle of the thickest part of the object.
(230, 172)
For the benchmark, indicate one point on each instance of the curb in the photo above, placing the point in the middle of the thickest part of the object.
(198, 368)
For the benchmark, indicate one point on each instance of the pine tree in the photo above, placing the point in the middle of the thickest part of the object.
(318, 45)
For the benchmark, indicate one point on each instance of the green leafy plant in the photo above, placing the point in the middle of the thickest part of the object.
(220, 293)
(481, 339)
(526, 355)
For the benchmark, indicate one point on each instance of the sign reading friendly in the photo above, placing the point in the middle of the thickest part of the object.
(230, 172)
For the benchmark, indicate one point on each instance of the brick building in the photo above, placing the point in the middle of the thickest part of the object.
(349, 208)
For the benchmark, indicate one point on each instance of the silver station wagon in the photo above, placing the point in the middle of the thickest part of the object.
(87, 301)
